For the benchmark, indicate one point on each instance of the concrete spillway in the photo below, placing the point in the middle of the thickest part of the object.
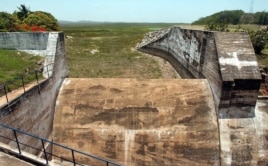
(139, 122)
(226, 60)
(150, 122)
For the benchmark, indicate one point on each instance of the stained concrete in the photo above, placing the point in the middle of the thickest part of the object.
(226, 60)
(33, 111)
(245, 141)
(153, 122)
(139, 122)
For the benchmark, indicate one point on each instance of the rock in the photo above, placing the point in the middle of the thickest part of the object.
(153, 36)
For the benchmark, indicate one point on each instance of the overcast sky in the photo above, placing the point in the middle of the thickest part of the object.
(176, 11)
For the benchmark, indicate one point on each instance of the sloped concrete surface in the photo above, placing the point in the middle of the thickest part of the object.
(226, 60)
(138, 122)
(33, 111)
(244, 141)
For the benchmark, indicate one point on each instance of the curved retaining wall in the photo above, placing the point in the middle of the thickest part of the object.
(226, 60)
(33, 111)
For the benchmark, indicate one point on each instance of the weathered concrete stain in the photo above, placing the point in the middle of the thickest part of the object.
(155, 122)
(139, 122)
(226, 60)
(244, 141)
(33, 111)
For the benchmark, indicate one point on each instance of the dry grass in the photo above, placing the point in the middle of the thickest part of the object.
(108, 51)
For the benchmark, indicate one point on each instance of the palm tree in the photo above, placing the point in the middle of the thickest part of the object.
(23, 12)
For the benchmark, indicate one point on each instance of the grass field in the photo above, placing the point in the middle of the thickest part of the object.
(263, 59)
(17, 68)
(108, 50)
(252, 27)
(101, 50)
(15, 64)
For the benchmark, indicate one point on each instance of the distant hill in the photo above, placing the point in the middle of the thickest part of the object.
(234, 17)
(85, 22)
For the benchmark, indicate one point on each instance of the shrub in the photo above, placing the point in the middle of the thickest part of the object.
(7, 22)
(217, 27)
(25, 28)
(259, 39)
(42, 19)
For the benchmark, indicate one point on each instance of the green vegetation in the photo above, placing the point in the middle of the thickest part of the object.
(234, 17)
(222, 20)
(263, 60)
(108, 50)
(15, 64)
(26, 20)
(259, 40)
(7, 22)
(44, 19)
(243, 27)
(22, 13)
(265, 51)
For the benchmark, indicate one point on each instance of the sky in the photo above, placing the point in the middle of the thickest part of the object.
(168, 11)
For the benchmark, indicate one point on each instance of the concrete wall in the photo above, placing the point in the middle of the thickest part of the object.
(239, 73)
(138, 122)
(33, 112)
(244, 140)
(202, 54)
(24, 41)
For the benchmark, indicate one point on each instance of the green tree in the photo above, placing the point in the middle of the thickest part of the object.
(223, 17)
(261, 18)
(247, 18)
(7, 22)
(40, 18)
(23, 12)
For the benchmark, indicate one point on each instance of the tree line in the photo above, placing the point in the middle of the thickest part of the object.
(23, 19)
(234, 17)
(220, 21)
